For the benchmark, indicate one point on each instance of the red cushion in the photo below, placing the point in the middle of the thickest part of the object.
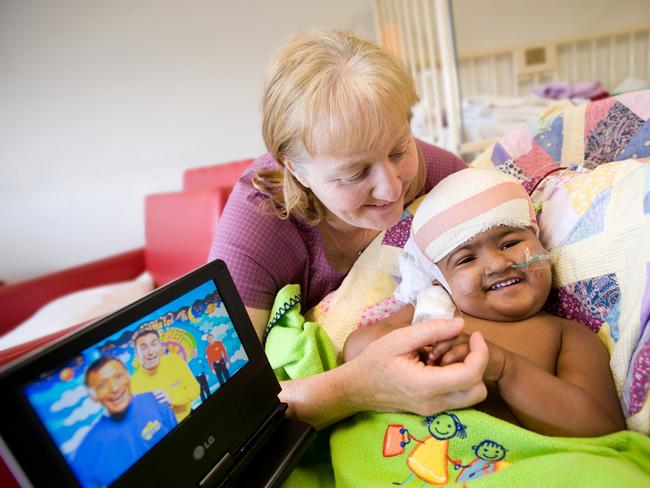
(18, 301)
(215, 176)
(178, 231)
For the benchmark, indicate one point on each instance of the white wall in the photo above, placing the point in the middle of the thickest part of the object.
(488, 24)
(104, 102)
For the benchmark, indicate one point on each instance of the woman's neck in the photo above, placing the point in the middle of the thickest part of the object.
(344, 243)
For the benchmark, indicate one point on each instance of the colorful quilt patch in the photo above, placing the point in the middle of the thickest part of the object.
(536, 163)
(639, 145)
(590, 301)
(379, 311)
(638, 102)
(499, 155)
(583, 192)
(517, 142)
(646, 189)
(550, 139)
(592, 221)
(609, 138)
(639, 378)
(398, 234)
(595, 112)
(511, 168)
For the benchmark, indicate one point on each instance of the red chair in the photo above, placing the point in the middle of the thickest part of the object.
(179, 228)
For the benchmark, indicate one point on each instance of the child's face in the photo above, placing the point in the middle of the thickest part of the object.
(484, 284)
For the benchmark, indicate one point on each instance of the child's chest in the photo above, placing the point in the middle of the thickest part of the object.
(536, 339)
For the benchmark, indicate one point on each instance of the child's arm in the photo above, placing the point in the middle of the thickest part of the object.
(580, 400)
(360, 338)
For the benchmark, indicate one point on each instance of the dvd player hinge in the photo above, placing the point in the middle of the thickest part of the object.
(218, 472)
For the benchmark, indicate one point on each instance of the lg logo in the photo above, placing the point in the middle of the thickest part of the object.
(199, 451)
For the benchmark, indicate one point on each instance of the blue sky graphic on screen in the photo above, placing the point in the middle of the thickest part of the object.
(109, 405)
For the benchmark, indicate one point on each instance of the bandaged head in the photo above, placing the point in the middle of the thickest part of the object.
(457, 209)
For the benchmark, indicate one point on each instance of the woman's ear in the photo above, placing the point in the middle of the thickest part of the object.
(291, 168)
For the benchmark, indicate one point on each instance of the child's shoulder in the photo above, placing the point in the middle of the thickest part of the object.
(567, 327)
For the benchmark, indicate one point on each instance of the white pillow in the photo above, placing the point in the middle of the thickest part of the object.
(78, 307)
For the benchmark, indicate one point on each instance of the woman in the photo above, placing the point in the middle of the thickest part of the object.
(341, 167)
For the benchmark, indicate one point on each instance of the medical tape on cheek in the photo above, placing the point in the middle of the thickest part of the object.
(531, 259)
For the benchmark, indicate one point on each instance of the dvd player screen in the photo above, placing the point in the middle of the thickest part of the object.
(106, 407)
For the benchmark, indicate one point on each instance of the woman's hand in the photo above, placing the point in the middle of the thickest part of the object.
(389, 375)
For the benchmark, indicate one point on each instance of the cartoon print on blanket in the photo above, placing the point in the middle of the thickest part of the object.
(469, 447)
(429, 458)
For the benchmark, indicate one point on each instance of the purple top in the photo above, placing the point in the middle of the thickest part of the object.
(265, 253)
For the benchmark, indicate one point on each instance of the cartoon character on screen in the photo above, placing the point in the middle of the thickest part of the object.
(130, 426)
(428, 459)
(200, 370)
(218, 358)
(490, 457)
(167, 376)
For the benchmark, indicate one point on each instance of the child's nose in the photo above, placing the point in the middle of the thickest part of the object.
(498, 262)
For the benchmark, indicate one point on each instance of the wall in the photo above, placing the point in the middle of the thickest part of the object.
(488, 24)
(105, 102)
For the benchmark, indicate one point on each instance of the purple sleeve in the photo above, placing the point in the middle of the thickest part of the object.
(439, 163)
(263, 252)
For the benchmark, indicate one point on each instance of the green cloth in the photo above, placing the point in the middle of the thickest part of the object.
(530, 459)
(296, 348)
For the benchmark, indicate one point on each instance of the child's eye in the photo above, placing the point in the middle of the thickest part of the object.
(509, 244)
(464, 260)
(398, 156)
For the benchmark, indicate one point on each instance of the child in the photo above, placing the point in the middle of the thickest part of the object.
(475, 234)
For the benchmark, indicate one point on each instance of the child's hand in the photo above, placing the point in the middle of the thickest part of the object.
(455, 350)
(447, 352)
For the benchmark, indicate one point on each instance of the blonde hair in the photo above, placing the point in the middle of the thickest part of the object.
(329, 92)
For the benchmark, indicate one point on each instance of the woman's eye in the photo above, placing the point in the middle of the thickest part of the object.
(398, 156)
(355, 178)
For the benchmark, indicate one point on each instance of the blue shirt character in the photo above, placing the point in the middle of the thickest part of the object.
(116, 442)
(198, 366)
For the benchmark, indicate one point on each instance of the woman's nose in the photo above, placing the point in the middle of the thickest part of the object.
(387, 184)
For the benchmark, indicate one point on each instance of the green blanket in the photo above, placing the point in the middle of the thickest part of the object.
(464, 447)
(468, 446)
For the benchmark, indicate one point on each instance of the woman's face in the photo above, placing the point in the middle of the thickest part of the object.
(365, 189)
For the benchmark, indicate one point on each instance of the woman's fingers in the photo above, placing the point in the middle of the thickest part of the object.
(465, 374)
(418, 335)
(390, 376)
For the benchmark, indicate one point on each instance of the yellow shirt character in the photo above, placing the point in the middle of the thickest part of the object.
(173, 377)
